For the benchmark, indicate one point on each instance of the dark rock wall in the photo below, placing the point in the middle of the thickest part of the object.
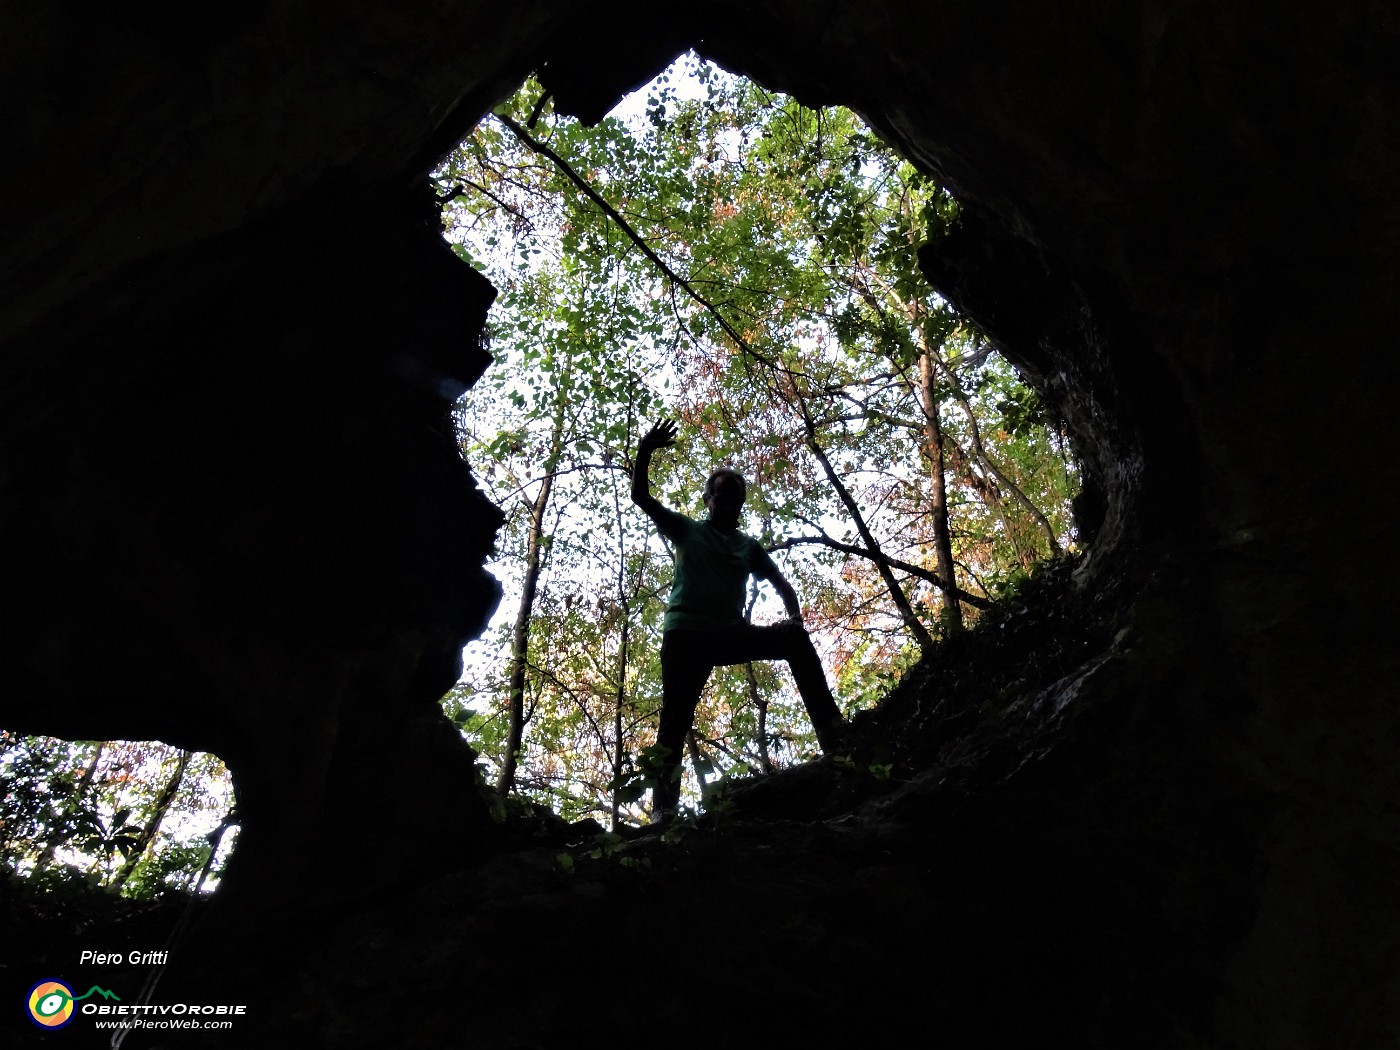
(233, 511)
(232, 517)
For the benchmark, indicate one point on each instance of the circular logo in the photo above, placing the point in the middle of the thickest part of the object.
(51, 1004)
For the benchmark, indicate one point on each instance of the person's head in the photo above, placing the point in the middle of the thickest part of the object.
(725, 490)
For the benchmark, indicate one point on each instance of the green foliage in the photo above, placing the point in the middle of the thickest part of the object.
(637, 778)
(777, 311)
(85, 811)
(107, 837)
(175, 866)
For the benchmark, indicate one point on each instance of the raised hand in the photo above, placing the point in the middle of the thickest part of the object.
(659, 436)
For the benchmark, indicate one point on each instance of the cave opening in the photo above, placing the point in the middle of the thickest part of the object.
(138, 819)
(715, 252)
(792, 224)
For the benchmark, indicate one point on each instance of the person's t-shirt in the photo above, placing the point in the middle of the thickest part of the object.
(712, 567)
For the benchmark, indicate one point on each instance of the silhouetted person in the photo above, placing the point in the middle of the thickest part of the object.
(705, 625)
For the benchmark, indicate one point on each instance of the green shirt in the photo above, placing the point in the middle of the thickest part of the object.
(712, 567)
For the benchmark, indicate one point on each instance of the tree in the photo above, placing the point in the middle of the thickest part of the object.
(128, 815)
(156, 815)
(755, 262)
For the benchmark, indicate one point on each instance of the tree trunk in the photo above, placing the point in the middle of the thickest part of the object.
(520, 637)
(625, 602)
(619, 701)
(695, 762)
(938, 479)
(912, 309)
(1006, 483)
(153, 822)
(901, 602)
(57, 835)
(962, 466)
(760, 702)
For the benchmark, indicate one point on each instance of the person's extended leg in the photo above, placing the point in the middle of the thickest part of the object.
(788, 642)
(685, 665)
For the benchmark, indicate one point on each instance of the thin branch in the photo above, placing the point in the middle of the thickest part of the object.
(545, 96)
(990, 465)
(879, 556)
(461, 188)
(535, 145)
(911, 620)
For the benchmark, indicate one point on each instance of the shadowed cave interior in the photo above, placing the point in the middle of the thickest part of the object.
(233, 502)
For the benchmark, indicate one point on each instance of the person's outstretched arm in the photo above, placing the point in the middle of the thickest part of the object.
(659, 436)
(774, 575)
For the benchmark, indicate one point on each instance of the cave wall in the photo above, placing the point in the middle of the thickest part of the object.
(1178, 216)
(234, 512)
(230, 496)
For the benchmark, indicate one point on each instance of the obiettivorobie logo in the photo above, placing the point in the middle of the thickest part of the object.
(53, 1005)
(51, 1002)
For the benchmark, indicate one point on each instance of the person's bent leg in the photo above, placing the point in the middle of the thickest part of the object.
(789, 642)
(808, 673)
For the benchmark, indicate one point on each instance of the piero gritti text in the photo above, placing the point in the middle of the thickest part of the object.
(131, 958)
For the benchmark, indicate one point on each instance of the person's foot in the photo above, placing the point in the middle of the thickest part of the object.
(834, 736)
(666, 797)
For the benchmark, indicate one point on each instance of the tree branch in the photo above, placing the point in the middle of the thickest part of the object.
(980, 449)
(536, 146)
(460, 190)
(927, 575)
(901, 602)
